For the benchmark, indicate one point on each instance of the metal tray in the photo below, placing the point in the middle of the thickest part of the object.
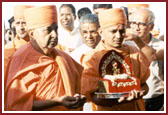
(111, 95)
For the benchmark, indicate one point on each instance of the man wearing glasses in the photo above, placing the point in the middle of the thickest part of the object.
(142, 23)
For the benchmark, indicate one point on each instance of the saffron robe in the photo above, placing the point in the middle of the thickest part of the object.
(31, 75)
(11, 48)
(90, 75)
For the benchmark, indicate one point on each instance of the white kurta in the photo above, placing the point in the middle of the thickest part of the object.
(69, 39)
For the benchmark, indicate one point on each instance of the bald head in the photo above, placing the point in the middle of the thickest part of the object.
(142, 22)
(144, 15)
(133, 7)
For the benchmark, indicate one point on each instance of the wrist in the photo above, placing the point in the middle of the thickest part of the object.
(140, 43)
(59, 99)
(137, 39)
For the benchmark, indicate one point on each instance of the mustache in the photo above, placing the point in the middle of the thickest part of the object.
(52, 39)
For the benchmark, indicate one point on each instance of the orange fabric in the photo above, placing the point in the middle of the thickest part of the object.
(112, 17)
(130, 6)
(60, 47)
(155, 33)
(37, 17)
(19, 11)
(33, 76)
(94, 107)
(91, 75)
(15, 43)
(8, 53)
(11, 48)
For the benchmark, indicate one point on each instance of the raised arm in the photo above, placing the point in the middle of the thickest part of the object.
(149, 52)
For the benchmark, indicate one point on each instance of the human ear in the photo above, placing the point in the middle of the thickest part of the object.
(100, 31)
(151, 27)
(74, 17)
(31, 33)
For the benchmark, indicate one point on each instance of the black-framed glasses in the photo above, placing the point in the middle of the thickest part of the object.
(139, 24)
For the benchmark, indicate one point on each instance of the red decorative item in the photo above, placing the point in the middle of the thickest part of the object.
(116, 72)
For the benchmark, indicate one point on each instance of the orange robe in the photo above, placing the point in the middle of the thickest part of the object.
(60, 47)
(34, 76)
(11, 48)
(90, 75)
(15, 44)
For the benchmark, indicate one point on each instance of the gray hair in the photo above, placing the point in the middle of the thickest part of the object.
(90, 18)
(151, 18)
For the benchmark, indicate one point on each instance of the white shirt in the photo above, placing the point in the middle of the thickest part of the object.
(154, 81)
(69, 39)
(77, 53)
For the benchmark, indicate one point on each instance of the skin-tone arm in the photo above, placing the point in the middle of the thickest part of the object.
(70, 102)
(159, 55)
(40, 105)
(134, 94)
(151, 53)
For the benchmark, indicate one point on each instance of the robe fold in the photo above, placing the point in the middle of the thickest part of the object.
(31, 75)
(90, 75)
(11, 48)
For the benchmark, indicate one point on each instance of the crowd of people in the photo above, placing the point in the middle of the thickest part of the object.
(52, 67)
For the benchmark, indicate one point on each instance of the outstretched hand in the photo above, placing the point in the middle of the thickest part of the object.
(73, 102)
(134, 94)
(81, 100)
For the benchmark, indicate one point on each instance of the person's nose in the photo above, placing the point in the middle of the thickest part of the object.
(21, 26)
(64, 17)
(118, 34)
(89, 36)
(53, 34)
(137, 28)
